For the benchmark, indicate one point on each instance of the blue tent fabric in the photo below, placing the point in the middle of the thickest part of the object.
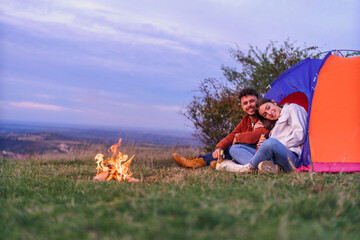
(302, 77)
(306, 152)
(298, 78)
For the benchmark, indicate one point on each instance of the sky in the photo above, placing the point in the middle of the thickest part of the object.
(138, 63)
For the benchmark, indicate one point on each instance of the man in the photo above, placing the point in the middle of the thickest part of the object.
(239, 145)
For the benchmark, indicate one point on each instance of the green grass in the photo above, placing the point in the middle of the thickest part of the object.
(57, 199)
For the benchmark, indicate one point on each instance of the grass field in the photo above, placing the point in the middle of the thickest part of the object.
(54, 197)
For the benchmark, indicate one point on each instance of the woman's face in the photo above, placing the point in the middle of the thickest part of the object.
(270, 110)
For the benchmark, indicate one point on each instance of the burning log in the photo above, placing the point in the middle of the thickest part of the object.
(116, 167)
(102, 176)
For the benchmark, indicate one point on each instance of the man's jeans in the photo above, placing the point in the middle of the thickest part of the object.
(274, 150)
(241, 153)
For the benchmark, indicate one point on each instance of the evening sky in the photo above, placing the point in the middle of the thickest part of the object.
(136, 63)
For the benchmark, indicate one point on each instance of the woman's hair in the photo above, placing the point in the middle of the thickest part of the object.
(268, 124)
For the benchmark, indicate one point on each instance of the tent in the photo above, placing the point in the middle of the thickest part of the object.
(329, 89)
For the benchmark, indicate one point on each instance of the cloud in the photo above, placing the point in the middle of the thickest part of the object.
(91, 20)
(232, 3)
(45, 96)
(167, 108)
(41, 106)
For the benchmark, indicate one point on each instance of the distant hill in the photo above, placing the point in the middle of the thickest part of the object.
(27, 143)
(39, 138)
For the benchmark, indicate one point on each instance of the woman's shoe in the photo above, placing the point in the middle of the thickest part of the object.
(222, 165)
(268, 167)
(230, 166)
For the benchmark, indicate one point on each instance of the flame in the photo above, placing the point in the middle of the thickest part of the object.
(118, 164)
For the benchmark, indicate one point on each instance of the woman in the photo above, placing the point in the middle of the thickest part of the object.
(282, 150)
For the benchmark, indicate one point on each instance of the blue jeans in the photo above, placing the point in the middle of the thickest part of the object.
(241, 153)
(274, 150)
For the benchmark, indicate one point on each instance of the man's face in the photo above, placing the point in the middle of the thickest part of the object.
(248, 104)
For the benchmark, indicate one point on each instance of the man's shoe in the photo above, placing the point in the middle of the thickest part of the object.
(213, 164)
(192, 162)
(268, 167)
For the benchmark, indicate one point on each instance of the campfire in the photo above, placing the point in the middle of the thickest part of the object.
(116, 167)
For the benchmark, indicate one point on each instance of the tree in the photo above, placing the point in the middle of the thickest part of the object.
(216, 112)
(260, 68)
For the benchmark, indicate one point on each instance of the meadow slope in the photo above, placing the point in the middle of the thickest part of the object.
(54, 197)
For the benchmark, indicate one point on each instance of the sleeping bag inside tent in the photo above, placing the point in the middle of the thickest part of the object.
(329, 89)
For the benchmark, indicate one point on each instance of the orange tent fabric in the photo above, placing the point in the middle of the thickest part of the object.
(334, 124)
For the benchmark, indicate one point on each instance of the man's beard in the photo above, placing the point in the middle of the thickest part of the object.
(254, 114)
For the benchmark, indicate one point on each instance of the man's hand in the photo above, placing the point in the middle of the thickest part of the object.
(235, 141)
(258, 124)
(216, 153)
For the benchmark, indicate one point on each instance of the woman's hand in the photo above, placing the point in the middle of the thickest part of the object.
(258, 124)
(261, 140)
(234, 141)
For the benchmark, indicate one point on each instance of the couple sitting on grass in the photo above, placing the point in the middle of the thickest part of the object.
(283, 126)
